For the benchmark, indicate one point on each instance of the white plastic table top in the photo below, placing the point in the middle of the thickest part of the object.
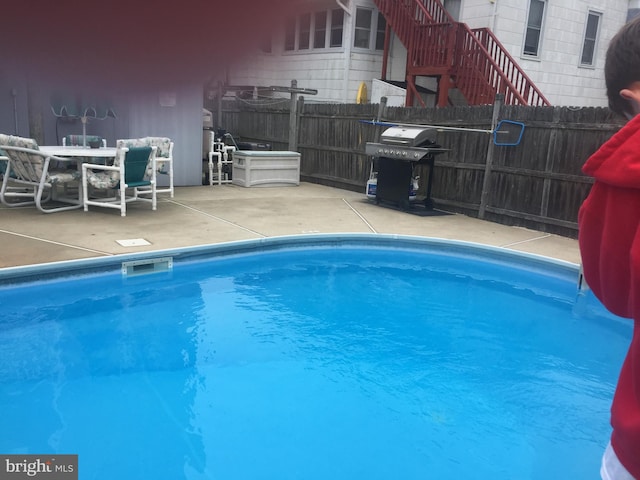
(75, 151)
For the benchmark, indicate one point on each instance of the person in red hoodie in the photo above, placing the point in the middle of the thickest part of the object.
(609, 239)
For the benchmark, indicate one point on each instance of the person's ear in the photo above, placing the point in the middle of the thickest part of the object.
(632, 96)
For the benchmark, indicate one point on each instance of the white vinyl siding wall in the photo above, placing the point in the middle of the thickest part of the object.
(556, 70)
(337, 73)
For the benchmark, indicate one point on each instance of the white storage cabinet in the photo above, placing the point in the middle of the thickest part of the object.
(259, 168)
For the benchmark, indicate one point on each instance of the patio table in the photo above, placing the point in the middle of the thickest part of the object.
(78, 154)
(79, 151)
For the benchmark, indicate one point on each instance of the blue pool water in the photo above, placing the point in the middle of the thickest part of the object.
(312, 360)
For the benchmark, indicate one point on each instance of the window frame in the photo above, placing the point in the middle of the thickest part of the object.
(331, 28)
(528, 27)
(378, 31)
(304, 30)
(374, 30)
(304, 39)
(358, 30)
(290, 23)
(590, 13)
(316, 29)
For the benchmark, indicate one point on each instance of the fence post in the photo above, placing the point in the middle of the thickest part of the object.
(382, 107)
(486, 182)
(293, 117)
(299, 110)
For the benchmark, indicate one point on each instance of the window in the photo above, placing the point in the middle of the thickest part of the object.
(337, 25)
(363, 28)
(290, 34)
(534, 28)
(320, 30)
(314, 30)
(369, 30)
(453, 7)
(305, 31)
(590, 38)
(380, 31)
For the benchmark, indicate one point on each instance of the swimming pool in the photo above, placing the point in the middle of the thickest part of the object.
(350, 356)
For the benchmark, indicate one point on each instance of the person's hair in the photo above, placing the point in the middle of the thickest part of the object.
(622, 65)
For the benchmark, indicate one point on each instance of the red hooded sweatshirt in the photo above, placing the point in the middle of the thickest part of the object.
(609, 226)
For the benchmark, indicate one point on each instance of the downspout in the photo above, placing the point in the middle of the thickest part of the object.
(494, 15)
(347, 35)
(385, 52)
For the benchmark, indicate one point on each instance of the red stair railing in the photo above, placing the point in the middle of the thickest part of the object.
(405, 15)
(505, 63)
(475, 59)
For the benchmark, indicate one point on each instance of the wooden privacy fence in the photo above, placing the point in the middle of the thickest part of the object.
(537, 183)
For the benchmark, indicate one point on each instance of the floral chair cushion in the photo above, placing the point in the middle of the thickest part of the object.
(163, 151)
(67, 176)
(107, 179)
(28, 166)
(14, 141)
(25, 165)
(102, 180)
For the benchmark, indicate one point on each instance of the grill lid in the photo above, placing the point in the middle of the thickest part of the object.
(406, 143)
(408, 136)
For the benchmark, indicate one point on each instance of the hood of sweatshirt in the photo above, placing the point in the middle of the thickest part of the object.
(617, 162)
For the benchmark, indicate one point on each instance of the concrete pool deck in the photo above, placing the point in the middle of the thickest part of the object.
(206, 215)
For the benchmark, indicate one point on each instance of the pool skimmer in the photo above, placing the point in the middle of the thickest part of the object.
(147, 266)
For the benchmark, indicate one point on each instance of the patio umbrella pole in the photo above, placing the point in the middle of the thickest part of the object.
(83, 119)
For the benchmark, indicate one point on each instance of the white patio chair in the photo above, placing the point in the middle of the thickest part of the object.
(29, 178)
(4, 163)
(132, 169)
(77, 140)
(164, 159)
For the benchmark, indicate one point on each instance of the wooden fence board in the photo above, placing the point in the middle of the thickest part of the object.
(538, 183)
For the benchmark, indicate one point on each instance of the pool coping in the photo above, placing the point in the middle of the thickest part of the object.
(26, 273)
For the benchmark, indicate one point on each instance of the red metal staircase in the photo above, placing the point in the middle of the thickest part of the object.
(471, 60)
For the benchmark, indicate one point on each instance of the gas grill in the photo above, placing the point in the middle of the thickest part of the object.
(401, 148)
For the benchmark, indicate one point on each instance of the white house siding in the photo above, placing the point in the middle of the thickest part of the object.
(397, 63)
(325, 72)
(556, 72)
(176, 114)
(14, 103)
(335, 72)
(478, 13)
(363, 65)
